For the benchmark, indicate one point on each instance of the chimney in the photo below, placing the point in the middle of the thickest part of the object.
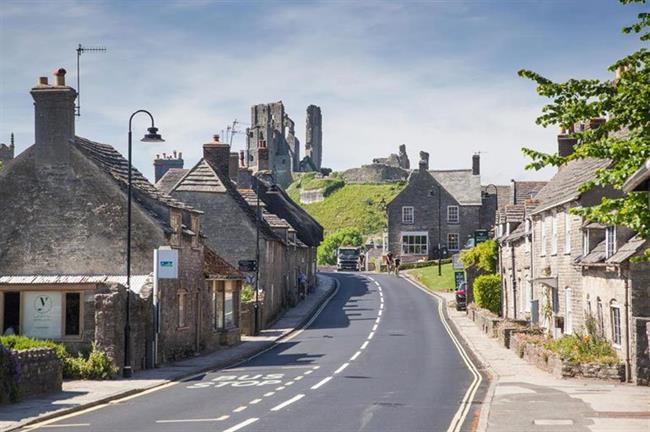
(217, 154)
(242, 158)
(164, 164)
(54, 120)
(513, 191)
(244, 178)
(424, 161)
(565, 144)
(233, 166)
(476, 164)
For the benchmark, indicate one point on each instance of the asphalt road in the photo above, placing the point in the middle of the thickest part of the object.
(377, 358)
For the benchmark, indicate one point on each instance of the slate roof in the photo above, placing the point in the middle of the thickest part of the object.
(525, 190)
(201, 178)
(624, 253)
(137, 281)
(170, 178)
(461, 184)
(114, 164)
(216, 267)
(639, 180)
(563, 187)
(273, 220)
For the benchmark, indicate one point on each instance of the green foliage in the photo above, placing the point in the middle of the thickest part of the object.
(428, 276)
(487, 292)
(346, 237)
(247, 293)
(352, 205)
(483, 257)
(579, 349)
(92, 365)
(624, 138)
(309, 181)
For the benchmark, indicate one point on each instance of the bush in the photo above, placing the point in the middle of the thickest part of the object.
(92, 365)
(581, 349)
(487, 292)
(482, 256)
(346, 236)
(247, 293)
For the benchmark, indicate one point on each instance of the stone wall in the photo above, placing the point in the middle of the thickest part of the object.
(311, 196)
(41, 372)
(640, 351)
(375, 173)
(486, 320)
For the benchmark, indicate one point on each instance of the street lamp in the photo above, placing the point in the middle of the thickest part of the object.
(151, 136)
(439, 241)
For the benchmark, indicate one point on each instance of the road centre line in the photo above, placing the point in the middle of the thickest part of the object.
(224, 417)
(354, 357)
(288, 402)
(321, 383)
(240, 409)
(363, 345)
(340, 369)
(374, 328)
(298, 378)
(380, 311)
(242, 424)
(269, 394)
(290, 383)
(377, 320)
(371, 335)
(67, 425)
(309, 372)
(280, 388)
(255, 401)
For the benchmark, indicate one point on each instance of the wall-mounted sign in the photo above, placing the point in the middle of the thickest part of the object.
(459, 277)
(481, 236)
(42, 314)
(247, 265)
(166, 262)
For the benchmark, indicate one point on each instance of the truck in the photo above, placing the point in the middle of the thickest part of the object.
(348, 258)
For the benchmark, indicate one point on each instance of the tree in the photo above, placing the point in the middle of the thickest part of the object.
(624, 138)
(345, 237)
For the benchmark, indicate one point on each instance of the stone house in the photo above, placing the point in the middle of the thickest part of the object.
(452, 198)
(63, 247)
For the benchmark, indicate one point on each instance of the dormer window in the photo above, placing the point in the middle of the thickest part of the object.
(196, 228)
(610, 241)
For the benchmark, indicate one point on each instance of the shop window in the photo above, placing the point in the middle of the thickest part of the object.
(72, 314)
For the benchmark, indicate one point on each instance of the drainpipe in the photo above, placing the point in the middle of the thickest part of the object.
(514, 283)
(628, 366)
(503, 283)
(531, 275)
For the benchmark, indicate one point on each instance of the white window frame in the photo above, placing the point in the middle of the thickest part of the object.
(567, 232)
(451, 220)
(610, 241)
(406, 220)
(615, 318)
(424, 251)
(585, 242)
(526, 239)
(543, 236)
(449, 237)
(554, 234)
(568, 310)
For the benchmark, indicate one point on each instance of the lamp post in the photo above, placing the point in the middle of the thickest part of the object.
(151, 136)
(439, 235)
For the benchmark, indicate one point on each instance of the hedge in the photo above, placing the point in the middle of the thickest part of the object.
(487, 292)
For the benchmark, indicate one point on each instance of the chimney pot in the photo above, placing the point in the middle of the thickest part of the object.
(476, 164)
(174, 154)
(60, 77)
(42, 81)
(180, 155)
(242, 158)
(216, 138)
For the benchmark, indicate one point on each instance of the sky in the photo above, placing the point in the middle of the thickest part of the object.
(438, 76)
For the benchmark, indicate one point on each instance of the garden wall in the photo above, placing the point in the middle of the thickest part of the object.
(39, 372)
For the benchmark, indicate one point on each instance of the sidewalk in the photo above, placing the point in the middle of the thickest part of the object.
(524, 398)
(78, 395)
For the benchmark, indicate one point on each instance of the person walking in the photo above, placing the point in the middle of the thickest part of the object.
(398, 262)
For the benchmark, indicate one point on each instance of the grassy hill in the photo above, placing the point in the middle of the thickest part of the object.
(347, 205)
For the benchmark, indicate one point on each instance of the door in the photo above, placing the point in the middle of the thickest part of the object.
(11, 312)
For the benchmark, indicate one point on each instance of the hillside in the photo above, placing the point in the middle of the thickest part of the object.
(347, 205)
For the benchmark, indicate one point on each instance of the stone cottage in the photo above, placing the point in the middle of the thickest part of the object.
(63, 247)
(450, 198)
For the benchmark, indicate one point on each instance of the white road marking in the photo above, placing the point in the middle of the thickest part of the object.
(67, 425)
(379, 313)
(343, 366)
(321, 383)
(377, 320)
(242, 425)
(370, 277)
(298, 378)
(371, 335)
(374, 328)
(255, 401)
(290, 383)
(223, 417)
(316, 367)
(381, 306)
(288, 402)
(240, 409)
(309, 372)
(193, 420)
(354, 357)
(269, 394)
(552, 422)
(364, 345)
(280, 388)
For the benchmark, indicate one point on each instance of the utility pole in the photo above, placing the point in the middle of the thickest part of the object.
(82, 49)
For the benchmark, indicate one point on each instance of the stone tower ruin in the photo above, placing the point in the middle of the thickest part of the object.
(314, 136)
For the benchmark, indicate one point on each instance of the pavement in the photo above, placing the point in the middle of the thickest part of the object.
(82, 394)
(377, 358)
(522, 397)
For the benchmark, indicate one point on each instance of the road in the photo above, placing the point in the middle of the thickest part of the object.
(377, 358)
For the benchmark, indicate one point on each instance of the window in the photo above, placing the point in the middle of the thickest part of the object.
(599, 318)
(408, 215)
(568, 311)
(72, 314)
(225, 301)
(452, 214)
(610, 241)
(229, 309)
(526, 238)
(452, 241)
(543, 236)
(615, 311)
(585, 242)
(217, 304)
(553, 234)
(567, 232)
(182, 306)
(415, 244)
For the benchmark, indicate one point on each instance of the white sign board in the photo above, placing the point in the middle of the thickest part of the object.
(42, 314)
(166, 263)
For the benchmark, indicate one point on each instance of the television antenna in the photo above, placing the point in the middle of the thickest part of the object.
(81, 49)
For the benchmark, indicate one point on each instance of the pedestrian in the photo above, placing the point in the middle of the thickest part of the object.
(389, 262)
(398, 261)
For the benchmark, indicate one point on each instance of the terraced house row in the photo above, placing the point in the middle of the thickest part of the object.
(63, 245)
(570, 275)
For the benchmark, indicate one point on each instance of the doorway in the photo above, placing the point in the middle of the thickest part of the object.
(11, 312)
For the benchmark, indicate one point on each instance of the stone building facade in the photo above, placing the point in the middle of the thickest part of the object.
(168, 161)
(64, 254)
(451, 197)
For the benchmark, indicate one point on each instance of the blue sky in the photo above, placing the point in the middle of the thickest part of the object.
(438, 76)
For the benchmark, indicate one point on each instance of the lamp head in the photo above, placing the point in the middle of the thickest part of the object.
(152, 135)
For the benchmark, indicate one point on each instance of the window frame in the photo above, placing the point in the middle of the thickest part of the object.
(610, 241)
(615, 324)
(585, 242)
(554, 234)
(449, 236)
(567, 232)
(64, 313)
(449, 214)
(404, 213)
(542, 251)
(424, 251)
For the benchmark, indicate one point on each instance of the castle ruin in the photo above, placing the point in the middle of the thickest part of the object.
(7, 151)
